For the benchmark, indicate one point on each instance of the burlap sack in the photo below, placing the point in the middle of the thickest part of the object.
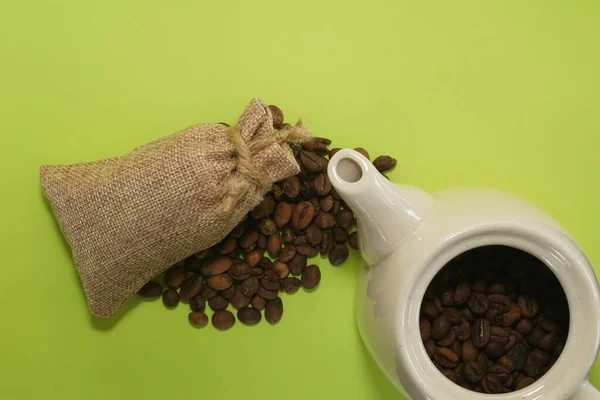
(128, 218)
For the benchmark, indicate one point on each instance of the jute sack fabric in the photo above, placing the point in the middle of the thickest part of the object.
(129, 218)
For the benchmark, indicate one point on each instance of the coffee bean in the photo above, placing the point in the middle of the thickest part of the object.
(430, 348)
(228, 245)
(321, 184)
(198, 319)
(192, 264)
(462, 293)
(219, 282)
(297, 264)
(274, 311)
(287, 235)
(311, 276)
(445, 357)
(175, 276)
(229, 292)
(333, 151)
(480, 334)
(469, 351)
(218, 303)
(248, 239)
(170, 298)
(326, 244)
(271, 283)
(258, 302)
(191, 287)
(453, 314)
(291, 187)
(467, 315)
(532, 367)
(448, 340)
(441, 327)
(239, 299)
(290, 285)
(314, 234)
(548, 325)
(267, 226)
(429, 310)
(384, 163)
(337, 206)
(447, 297)
(474, 371)
(363, 152)
(338, 254)
(478, 303)
(249, 286)
(197, 303)
(548, 342)
(518, 356)
(353, 240)
(523, 383)
(311, 161)
(326, 203)
(491, 384)
(283, 214)
(512, 315)
(223, 319)
(345, 219)
(501, 372)
(249, 316)
(535, 336)
(287, 254)
(340, 235)
(302, 215)
(463, 331)
(425, 327)
(281, 269)
(264, 208)
(277, 116)
(240, 271)
(560, 346)
(529, 306)
(267, 294)
(325, 220)
(151, 290)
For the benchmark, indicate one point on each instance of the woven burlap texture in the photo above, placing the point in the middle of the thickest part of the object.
(129, 218)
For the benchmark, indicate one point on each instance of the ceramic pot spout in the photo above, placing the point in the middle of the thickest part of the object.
(386, 214)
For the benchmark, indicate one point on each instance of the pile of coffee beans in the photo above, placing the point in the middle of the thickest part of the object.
(302, 217)
(494, 320)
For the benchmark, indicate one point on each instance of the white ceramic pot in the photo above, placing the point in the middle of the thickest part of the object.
(407, 235)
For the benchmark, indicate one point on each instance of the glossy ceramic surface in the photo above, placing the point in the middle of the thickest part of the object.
(407, 236)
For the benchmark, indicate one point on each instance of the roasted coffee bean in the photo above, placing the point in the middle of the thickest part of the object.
(291, 187)
(277, 116)
(518, 356)
(345, 219)
(499, 302)
(239, 299)
(524, 326)
(250, 286)
(288, 235)
(197, 303)
(258, 302)
(430, 348)
(267, 294)
(478, 303)
(425, 327)
(491, 384)
(463, 331)
(462, 293)
(523, 382)
(248, 238)
(314, 234)
(198, 319)
(548, 342)
(337, 206)
(306, 190)
(267, 227)
(192, 264)
(218, 303)
(542, 356)
(338, 254)
(290, 285)
(333, 151)
(170, 298)
(249, 316)
(474, 371)
(311, 276)
(229, 292)
(175, 276)
(274, 245)
(219, 282)
(311, 161)
(340, 235)
(430, 310)
(206, 292)
(228, 245)
(440, 328)
(529, 306)
(468, 315)
(254, 257)
(302, 215)
(447, 297)
(457, 348)
(512, 315)
(297, 264)
(384, 163)
(151, 290)
(535, 336)
(469, 351)
(223, 319)
(480, 332)
(281, 269)
(478, 287)
(261, 243)
(445, 357)
(238, 231)
(326, 244)
(532, 367)
(325, 220)
(270, 283)
(496, 288)
(265, 263)
(326, 203)
(287, 253)
(453, 314)
(500, 372)
(321, 185)
(274, 311)
(283, 214)
(448, 340)
(353, 240)
(264, 208)
(191, 287)
(240, 271)
(363, 152)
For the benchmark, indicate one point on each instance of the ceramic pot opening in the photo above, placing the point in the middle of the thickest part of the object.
(494, 319)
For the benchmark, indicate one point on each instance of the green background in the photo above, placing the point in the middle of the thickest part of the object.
(502, 94)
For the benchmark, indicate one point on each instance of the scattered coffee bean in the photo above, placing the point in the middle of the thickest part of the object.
(239, 299)
(384, 163)
(216, 266)
(170, 298)
(353, 240)
(197, 303)
(191, 287)
(311, 276)
(240, 271)
(151, 290)
(175, 276)
(198, 319)
(249, 316)
(338, 254)
(290, 285)
(441, 327)
(258, 302)
(218, 303)
(302, 215)
(274, 311)
(363, 152)
(345, 219)
(219, 282)
(223, 319)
